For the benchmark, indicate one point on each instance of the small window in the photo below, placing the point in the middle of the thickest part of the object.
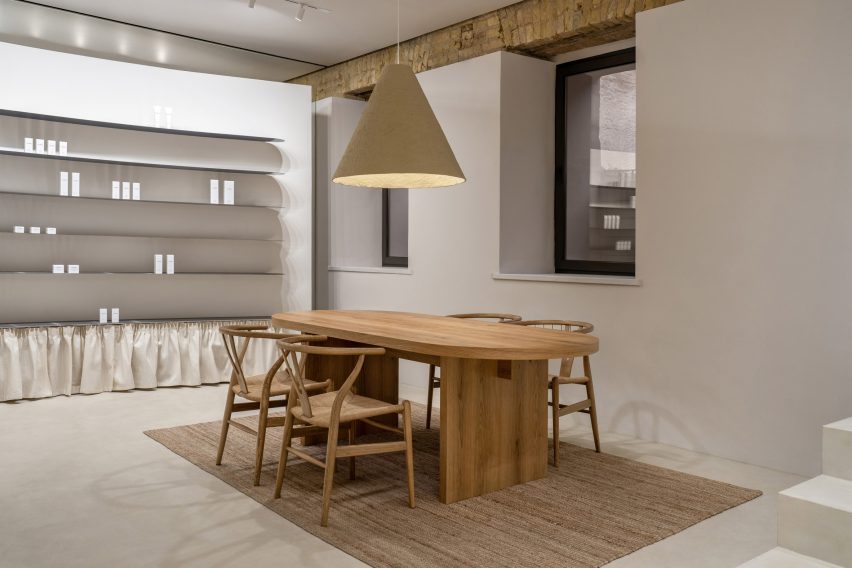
(595, 200)
(395, 227)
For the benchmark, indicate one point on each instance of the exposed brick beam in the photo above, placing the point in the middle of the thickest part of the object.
(541, 28)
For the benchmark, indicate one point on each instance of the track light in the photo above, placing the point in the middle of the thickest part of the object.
(301, 15)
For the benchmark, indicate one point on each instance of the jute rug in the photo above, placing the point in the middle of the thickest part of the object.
(594, 509)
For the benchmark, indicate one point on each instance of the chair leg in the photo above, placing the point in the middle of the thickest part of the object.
(590, 394)
(429, 397)
(352, 427)
(330, 457)
(554, 397)
(282, 461)
(409, 450)
(261, 440)
(226, 422)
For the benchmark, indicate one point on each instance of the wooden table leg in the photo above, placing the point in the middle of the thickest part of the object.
(493, 429)
(379, 379)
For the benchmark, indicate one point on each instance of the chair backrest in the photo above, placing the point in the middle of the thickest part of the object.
(498, 317)
(570, 326)
(296, 350)
(236, 353)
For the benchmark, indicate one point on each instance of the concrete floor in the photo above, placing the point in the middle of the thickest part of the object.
(80, 485)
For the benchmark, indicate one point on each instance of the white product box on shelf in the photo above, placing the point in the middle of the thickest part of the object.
(137, 191)
(39, 146)
(59, 269)
(51, 146)
(157, 111)
(115, 318)
(73, 269)
(75, 184)
(228, 193)
(170, 264)
(158, 264)
(168, 117)
(214, 191)
(19, 229)
(35, 230)
(125, 190)
(63, 148)
(63, 183)
(102, 315)
(116, 190)
(28, 144)
(51, 230)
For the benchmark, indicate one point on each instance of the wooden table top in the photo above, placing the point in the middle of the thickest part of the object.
(440, 335)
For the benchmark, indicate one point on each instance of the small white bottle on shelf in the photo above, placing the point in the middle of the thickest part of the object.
(35, 230)
(63, 184)
(116, 190)
(63, 148)
(214, 191)
(19, 229)
(137, 191)
(73, 269)
(59, 269)
(158, 264)
(115, 318)
(75, 184)
(51, 147)
(125, 190)
(228, 193)
(39, 146)
(51, 230)
(28, 145)
(102, 315)
(157, 110)
(168, 117)
(170, 264)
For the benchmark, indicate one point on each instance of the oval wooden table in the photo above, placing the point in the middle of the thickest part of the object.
(493, 385)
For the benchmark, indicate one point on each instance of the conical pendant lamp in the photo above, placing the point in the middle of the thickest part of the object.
(398, 142)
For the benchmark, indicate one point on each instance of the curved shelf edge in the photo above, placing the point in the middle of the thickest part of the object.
(89, 160)
(193, 203)
(136, 127)
(24, 325)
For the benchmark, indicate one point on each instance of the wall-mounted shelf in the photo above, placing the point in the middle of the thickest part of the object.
(178, 238)
(136, 127)
(31, 273)
(612, 206)
(96, 160)
(137, 201)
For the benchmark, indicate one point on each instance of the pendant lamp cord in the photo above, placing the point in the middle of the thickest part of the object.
(397, 32)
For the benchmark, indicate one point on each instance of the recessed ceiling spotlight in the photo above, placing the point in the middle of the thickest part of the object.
(251, 3)
(301, 15)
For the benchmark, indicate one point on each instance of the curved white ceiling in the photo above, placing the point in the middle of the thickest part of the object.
(353, 27)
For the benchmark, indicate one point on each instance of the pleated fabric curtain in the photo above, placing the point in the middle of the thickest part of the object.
(38, 362)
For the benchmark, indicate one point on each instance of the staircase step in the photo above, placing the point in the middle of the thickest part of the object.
(782, 558)
(837, 449)
(815, 519)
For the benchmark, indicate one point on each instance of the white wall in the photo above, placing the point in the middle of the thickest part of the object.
(736, 342)
(47, 82)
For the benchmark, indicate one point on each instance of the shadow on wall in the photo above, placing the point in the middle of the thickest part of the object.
(645, 420)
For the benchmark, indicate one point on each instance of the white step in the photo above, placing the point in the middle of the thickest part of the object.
(837, 449)
(815, 519)
(782, 558)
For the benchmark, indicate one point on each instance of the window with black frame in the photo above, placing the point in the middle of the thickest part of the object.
(395, 227)
(595, 216)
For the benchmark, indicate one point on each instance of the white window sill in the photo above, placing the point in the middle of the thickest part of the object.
(571, 278)
(370, 269)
